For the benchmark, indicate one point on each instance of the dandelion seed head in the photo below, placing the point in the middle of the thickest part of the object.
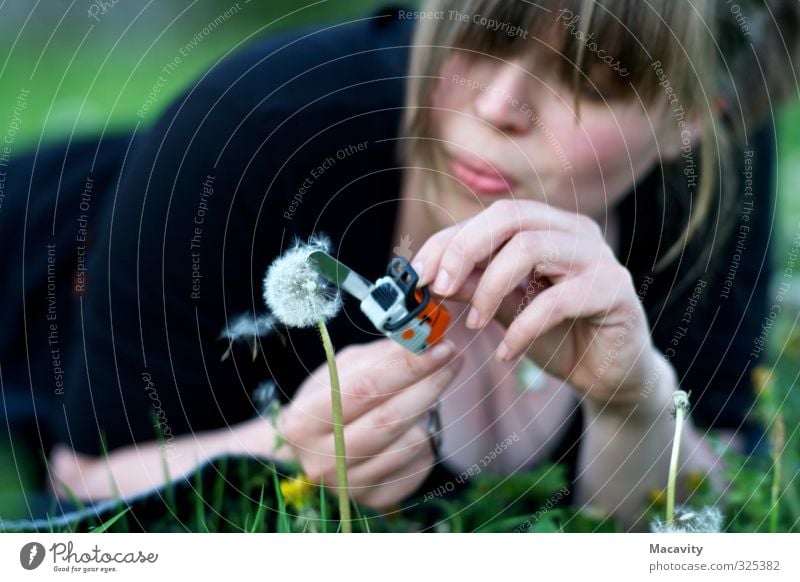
(688, 520)
(295, 293)
(680, 399)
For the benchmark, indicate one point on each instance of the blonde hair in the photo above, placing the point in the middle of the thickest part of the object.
(702, 49)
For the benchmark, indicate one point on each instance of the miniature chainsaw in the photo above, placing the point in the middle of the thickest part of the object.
(393, 303)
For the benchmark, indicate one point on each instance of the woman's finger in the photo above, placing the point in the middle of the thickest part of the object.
(382, 426)
(480, 236)
(592, 295)
(464, 294)
(364, 382)
(426, 261)
(549, 256)
(398, 485)
(406, 459)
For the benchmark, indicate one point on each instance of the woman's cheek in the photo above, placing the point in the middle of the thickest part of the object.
(448, 93)
(606, 160)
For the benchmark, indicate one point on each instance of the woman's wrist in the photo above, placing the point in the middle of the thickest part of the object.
(627, 447)
(644, 401)
(259, 437)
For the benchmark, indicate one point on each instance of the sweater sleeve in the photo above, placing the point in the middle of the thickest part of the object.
(181, 256)
(280, 142)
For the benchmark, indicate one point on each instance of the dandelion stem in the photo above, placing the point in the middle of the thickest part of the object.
(338, 430)
(681, 401)
(778, 443)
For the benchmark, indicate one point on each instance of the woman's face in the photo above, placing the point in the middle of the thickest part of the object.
(509, 130)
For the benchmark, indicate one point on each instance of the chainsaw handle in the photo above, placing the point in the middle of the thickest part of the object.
(426, 296)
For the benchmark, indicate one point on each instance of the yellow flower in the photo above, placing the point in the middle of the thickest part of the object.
(694, 479)
(296, 492)
(762, 380)
(657, 496)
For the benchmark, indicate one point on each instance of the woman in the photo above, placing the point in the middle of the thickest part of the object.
(566, 176)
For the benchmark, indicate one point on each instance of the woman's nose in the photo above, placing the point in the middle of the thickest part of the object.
(503, 103)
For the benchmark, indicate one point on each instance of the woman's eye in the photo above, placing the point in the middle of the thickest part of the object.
(590, 92)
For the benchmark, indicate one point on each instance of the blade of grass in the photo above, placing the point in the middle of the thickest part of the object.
(778, 444)
(219, 490)
(76, 501)
(360, 516)
(282, 520)
(51, 511)
(169, 484)
(323, 509)
(70, 493)
(244, 477)
(258, 520)
(104, 448)
(105, 526)
(200, 502)
(169, 489)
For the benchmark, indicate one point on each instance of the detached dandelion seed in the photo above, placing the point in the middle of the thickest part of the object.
(249, 328)
(299, 297)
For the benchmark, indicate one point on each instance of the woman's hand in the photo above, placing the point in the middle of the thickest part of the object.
(387, 392)
(549, 276)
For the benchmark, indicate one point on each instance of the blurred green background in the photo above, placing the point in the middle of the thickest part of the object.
(89, 65)
(90, 68)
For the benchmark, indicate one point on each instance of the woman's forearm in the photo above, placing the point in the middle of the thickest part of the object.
(626, 451)
(137, 468)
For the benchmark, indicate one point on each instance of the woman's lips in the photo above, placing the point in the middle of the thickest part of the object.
(481, 177)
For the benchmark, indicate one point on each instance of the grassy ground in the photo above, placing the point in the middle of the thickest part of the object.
(86, 74)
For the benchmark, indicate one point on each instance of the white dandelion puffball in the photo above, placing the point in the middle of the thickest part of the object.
(295, 293)
(687, 520)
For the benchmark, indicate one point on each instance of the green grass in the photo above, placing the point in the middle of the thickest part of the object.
(532, 501)
(253, 502)
(16, 477)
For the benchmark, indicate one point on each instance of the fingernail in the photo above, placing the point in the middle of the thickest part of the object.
(502, 352)
(442, 350)
(420, 269)
(473, 319)
(442, 282)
